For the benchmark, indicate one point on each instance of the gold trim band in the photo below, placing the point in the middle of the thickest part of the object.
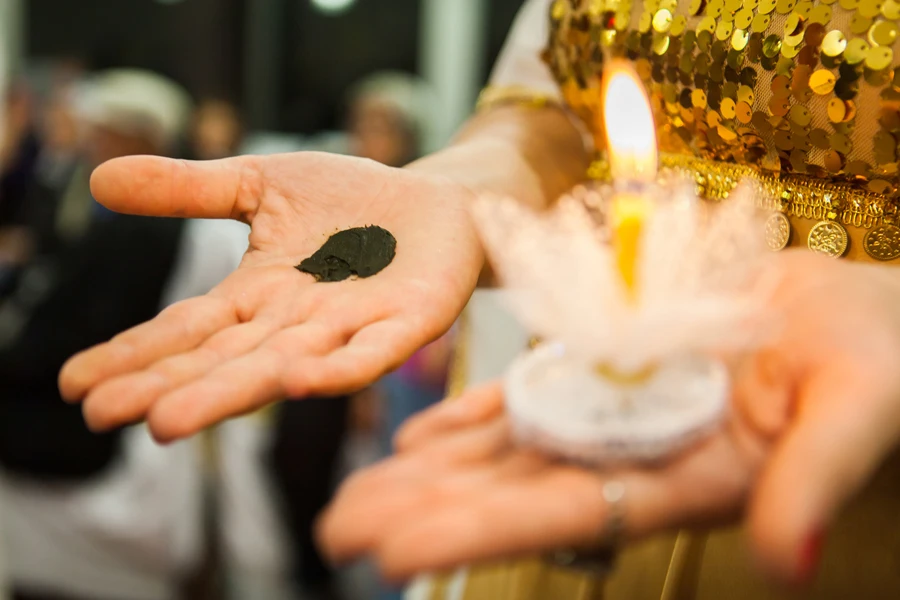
(494, 96)
(834, 216)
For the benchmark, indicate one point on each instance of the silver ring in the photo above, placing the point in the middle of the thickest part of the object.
(613, 530)
(599, 560)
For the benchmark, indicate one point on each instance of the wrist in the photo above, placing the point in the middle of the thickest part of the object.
(486, 166)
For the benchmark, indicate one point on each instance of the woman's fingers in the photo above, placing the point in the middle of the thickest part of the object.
(408, 486)
(420, 511)
(475, 406)
(128, 398)
(180, 328)
(845, 424)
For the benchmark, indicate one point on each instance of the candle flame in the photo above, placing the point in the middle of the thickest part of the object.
(631, 144)
(630, 131)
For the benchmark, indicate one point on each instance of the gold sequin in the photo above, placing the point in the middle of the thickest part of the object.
(728, 108)
(834, 43)
(744, 112)
(859, 24)
(698, 99)
(767, 6)
(819, 139)
(715, 7)
(841, 143)
(662, 21)
(804, 8)
(784, 7)
(761, 122)
(760, 23)
(883, 33)
(798, 158)
(708, 24)
(883, 242)
(857, 50)
(743, 18)
(784, 65)
(815, 33)
(821, 14)
(870, 8)
(879, 57)
(726, 133)
(891, 9)
(779, 106)
(678, 25)
(783, 140)
(788, 51)
(739, 39)
(772, 45)
(849, 4)
(800, 115)
(885, 146)
(834, 162)
(828, 238)
(822, 82)
(781, 86)
(697, 6)
(645, 22)
(723, 30)
(851, 110)
(792, 27)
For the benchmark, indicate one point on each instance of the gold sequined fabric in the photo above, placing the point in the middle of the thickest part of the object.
(802, 96)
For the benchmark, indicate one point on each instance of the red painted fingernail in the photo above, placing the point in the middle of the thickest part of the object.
(810, 553)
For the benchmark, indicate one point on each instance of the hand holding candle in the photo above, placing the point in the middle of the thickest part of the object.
(626, 374)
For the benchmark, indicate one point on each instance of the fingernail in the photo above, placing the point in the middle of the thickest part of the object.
(810, 554)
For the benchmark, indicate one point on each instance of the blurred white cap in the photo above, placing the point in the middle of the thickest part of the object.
(136, 102)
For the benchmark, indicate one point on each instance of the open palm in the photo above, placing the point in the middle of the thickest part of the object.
(269, 331)
(813, 415)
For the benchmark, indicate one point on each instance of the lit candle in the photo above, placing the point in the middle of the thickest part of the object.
(632, 154)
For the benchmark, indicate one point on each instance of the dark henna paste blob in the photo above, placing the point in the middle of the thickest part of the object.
(361, 251)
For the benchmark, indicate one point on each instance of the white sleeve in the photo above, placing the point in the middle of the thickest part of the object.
(210, 250)
(520, 63)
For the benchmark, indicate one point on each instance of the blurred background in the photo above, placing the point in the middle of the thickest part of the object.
(229, 514)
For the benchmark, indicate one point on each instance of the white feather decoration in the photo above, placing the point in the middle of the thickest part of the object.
(703, 282)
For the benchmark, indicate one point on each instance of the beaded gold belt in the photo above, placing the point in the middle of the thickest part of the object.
(831, 218)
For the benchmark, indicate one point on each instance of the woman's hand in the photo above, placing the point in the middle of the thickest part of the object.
(269, 331)
(815, 412)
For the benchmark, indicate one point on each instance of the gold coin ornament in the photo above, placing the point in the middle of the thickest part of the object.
(828, 238)
(883, 242)
(778, 232)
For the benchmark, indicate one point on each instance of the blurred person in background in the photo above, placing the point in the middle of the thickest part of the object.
(217, 130)
(90, 516)
(18, 161)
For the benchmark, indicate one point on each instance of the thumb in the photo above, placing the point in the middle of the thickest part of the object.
(156, 186)
(845, 423)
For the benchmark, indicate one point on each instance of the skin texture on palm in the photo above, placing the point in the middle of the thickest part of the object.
(269, 331)
(814, 413)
